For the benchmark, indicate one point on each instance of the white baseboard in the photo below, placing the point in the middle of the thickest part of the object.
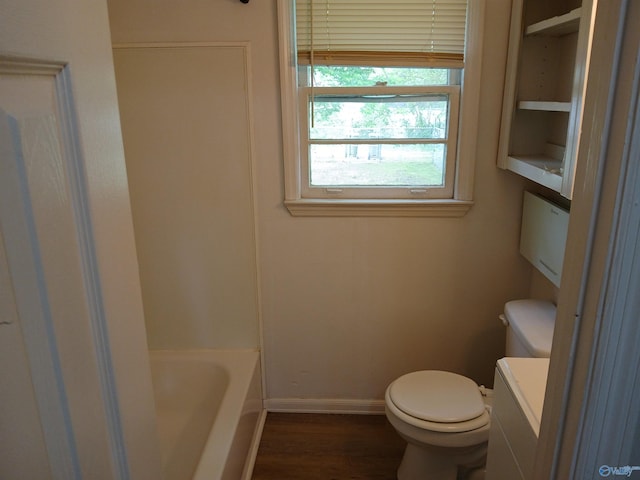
(324, 405)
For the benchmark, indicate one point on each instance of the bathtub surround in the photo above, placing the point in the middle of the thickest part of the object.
(348, 304)
(189, 168)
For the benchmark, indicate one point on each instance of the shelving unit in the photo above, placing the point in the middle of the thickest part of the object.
(544, 89)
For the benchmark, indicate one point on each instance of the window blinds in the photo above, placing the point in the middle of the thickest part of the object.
(381, 32)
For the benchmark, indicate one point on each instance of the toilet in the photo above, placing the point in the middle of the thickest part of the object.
(444, 417)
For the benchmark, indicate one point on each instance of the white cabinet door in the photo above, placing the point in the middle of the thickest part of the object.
(501, 465)
(512, 442)
(544, 235)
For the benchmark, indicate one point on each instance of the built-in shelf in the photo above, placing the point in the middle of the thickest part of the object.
(544, 88)
(538, 168)
(545, 106)
(556, 26)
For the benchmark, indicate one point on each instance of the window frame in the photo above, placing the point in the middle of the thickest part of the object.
(297, 199)
(452, 92)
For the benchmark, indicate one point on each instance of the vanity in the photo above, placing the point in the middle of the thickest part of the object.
(519, 389)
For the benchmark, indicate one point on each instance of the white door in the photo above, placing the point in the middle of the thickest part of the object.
(76, 398)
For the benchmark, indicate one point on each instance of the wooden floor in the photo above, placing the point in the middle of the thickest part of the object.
(327, 447)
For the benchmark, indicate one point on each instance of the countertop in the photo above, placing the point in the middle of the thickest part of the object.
(527, 379)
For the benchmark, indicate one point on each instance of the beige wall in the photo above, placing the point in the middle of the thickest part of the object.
(348, 304)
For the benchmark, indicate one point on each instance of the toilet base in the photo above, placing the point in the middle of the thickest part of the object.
(476, 474)
(421, 462)
(417, 464)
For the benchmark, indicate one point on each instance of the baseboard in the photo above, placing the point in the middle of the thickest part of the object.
(325, 405)
(255, 444)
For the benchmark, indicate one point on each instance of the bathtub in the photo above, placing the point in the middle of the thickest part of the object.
(209, 412)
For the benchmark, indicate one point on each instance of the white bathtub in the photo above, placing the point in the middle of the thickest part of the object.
(209, 412)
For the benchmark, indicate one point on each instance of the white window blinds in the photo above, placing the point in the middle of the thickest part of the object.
(381, 32)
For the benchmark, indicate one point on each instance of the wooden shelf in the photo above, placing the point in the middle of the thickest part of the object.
(544, 106)
(538, 168)
(556, 26)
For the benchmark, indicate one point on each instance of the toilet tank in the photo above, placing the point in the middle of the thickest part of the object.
(530, 326)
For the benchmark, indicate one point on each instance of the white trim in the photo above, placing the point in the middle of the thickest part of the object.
(89, 262)
(377, 208)
(325, 405)
(128, 45)
(580, 78)
(470, 102)
(288, 85)
(247, 474)
(510, 80)
(588, 412)
(607, 436)
(254, 202)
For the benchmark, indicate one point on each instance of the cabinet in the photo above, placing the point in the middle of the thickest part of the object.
(543, 235)
(519, 390)
(545, 81)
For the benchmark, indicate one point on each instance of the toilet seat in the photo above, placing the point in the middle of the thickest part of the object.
(438, 401)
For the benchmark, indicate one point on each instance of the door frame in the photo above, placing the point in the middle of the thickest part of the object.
(589, 422)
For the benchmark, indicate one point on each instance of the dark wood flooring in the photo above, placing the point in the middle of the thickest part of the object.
(327, 447)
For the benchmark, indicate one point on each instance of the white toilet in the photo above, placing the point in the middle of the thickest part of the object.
(444, 417)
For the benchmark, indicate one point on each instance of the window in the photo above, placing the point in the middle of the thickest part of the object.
(365, 134)
(379, 105)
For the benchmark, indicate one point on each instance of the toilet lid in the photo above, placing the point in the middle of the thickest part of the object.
(437, 396)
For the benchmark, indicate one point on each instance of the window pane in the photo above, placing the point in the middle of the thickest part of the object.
(342, 76)
(362, 117)
(411, 165)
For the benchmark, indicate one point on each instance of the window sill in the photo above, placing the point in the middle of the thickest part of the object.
(378, 208)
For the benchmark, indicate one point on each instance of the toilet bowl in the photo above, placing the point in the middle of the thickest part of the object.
(445, 417)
